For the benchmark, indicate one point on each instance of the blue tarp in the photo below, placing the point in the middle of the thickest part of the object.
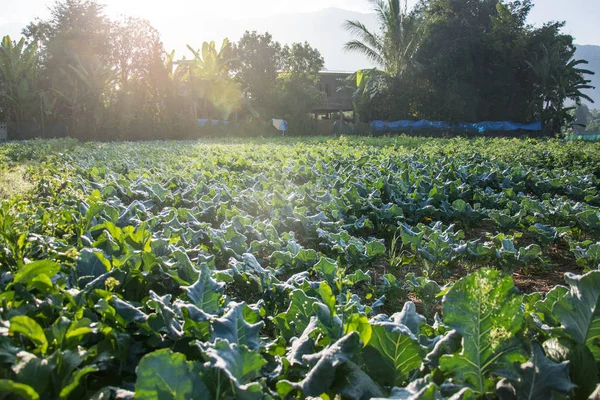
(487, 126)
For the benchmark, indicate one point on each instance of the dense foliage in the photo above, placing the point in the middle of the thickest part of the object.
(467, 61)
(359, 268)
(81, 74)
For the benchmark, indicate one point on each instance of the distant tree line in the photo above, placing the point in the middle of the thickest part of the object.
(445, 60)
(106, 79)
(466, 61)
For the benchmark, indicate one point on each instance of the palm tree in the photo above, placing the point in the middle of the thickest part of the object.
(394, 47)
(391, 50)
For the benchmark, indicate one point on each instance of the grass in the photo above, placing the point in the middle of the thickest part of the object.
(14, 181)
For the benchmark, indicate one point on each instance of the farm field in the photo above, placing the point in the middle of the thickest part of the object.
(351, 268)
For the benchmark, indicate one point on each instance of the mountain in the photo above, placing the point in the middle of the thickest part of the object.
(592, 54)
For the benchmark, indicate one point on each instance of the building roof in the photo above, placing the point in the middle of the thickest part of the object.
(333, 72)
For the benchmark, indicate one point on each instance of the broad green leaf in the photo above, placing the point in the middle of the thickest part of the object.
(172, 325)
(295, 320)
(19, 389)
(29, 328)
(354, 384)
(323, 372)
(391, 355)
(485, 308)
(410, 318)
(546, 306)
(234, 327)
(168, 376)
(304, 344)
(75, 381)
(330, 323)
(240, 364)
(128, 311)
(450, 343)
(358, 276)
(206, 292)
(327, 268)
(424, 288)
(375, 248)
(327, 296)
(33, 371)
(79, 328)
(579, 312)
(359, 323)
(539, 378)
(583, 367)
(29, 272)
(90, 265)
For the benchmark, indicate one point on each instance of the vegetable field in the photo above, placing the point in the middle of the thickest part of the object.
(403, 268)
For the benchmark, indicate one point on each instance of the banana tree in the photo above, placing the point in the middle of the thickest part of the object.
(18, 80)
(207, 78)
(87, 95)
(559, 78)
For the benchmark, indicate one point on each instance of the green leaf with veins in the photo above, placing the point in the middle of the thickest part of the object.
(234, 327)
(391, 355)
(324, 363)
(485, 308)
(206, 292)
(327, 268)
(29, 272)
(546, 306)
(539, 378)
(295, 320)
(168, 376)
(240, 364)
(162, 305)
(579, 312)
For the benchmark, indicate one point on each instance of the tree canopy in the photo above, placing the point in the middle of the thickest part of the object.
(468, 61)
(442, 60)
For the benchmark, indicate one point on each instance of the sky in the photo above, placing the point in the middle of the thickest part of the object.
(202, 16)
